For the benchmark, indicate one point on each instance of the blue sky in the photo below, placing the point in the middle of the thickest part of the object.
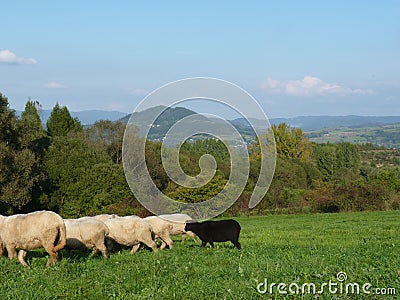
(294, 57)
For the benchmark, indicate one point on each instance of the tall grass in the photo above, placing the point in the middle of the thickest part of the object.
(285, 248)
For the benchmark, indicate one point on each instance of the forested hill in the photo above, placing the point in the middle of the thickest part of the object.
(168, 117)
(159, 127)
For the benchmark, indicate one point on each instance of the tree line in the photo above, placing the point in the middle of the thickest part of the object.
(78, 171)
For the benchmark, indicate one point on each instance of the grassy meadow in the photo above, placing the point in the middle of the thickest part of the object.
(282, 248)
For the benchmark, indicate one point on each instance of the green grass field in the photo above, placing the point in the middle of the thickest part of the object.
(284, 248)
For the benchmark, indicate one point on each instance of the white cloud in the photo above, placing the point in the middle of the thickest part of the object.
(138, 92)
(8, 57)
(54, 85)
(310, 86)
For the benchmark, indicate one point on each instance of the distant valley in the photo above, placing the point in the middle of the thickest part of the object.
(383, 135)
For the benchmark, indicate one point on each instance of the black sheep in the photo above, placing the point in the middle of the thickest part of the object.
(216, 231)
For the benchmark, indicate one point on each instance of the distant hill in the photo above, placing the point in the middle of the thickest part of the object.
(382, 131)
(169, 116)
(310, 123)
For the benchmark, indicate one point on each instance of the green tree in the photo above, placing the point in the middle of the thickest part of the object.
(338, 161)
(32, 134)
(326, 159)
(190, 154)
(18, 176)
(348, 156)
(155, 166)
(65, 162)
(388, 177)
(8, 130)
(290, 142)
(102, 185)
(200, 194)
(289, 174)
(19, 172)
(60, 122)
(108, 136)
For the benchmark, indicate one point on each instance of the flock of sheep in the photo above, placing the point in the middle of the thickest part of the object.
(46, 229)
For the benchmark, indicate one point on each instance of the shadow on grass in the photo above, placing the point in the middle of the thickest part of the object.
(36, 254)
(72, 255)
(217, 245)
(79, 255)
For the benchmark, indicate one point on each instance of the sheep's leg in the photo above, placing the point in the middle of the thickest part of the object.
(237, 244)
(150, 243)
(2, 248)
(135, 248)
(153, 246)
(212, 244)
(99, 241)
(163, 245)
(94, 252)
(21, 258)
(193, 236)
(53, 254)
(203, 243)
(183, 237)
(53, 257)
(12, 252)
(102, 247)
(167, 239)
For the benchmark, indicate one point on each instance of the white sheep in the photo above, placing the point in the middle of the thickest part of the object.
(178, 222)
(87, 233)
(103, 217)
(41, 229)
(131, 231)
(162, 229)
